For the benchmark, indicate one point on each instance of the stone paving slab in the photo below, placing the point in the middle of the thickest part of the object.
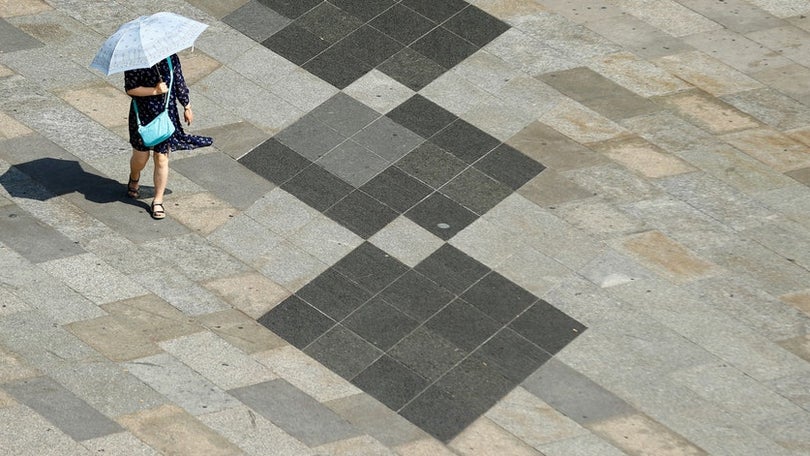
(462, 227)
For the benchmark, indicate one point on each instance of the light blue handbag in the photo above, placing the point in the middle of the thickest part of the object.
(161, 127)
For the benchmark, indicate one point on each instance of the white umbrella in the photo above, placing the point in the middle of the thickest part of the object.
(142, 42)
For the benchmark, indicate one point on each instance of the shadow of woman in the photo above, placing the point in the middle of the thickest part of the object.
(60, 177)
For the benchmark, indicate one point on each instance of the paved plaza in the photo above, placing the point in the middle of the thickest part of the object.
(426, 227)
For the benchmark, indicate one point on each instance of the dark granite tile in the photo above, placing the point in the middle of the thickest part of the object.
(344, 114)
(388, 139)
(333, 294)
(380, 323)
(362, 214)
(317, 187)
(431, 164)
(512, 355)
(476, 191)
(370, 267)
(421, 116)
(310, 138)
(476, 383)
(390, 382)
(439, 414)
(437, 11)
(290, 8)
(363, 9)
(441, 216)
(416, 296)
(427, 354)
(295, 44)
(296, 322)
(444, 47)
(465, 141)
(396, 189)
(463, 325)
(510, 166)
(403, 24)
(476, 26)
(274, 161)
(547, 327)
(369, 45)
(343, 352)
(412, 69)
(498, 297)
(329, 22)
(452, 268)
(337, 67)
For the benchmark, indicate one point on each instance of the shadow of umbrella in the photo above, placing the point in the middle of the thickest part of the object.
(61, 177)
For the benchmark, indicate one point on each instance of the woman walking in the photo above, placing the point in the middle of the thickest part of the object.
(149, 88)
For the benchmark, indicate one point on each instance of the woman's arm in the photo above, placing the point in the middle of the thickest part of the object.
(159, 89)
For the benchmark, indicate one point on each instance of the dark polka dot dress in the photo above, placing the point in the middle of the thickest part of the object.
(150, 107)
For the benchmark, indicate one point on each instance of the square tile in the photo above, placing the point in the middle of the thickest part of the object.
(512, 355)
(417, 296)
(296, 44)
(353, 163)
(337, 67)
(476, 191)
(436, 11)
(476, 383)
(463, 325)
(427, 353)
(274, 161)
(296, 322)
(396, 189)
(390, 382)
(363, 9)
(379, 91)
(444, 47)
(510, 166)
(362, 214)
(310, 138)
(370, 267)
(465, 141)
(547, 327)
(343, 352)
(431, 164)
(406, 241)
(388, 139)
(290, 8)
(441, 216)
(369, 45)
(498, 297)
(476, 26)
(256, 21)
(403, 24)
(329, 22)
(412, 69)
(439, 413)
(421, 116)
(381, 324)
(345, 115)
(334, 295)
(317, 187)
(452, 269)
(236, 139)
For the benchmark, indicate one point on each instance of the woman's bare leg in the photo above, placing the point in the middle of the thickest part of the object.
(136, 164)
(161, 162)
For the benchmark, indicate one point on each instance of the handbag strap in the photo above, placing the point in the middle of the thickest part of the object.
(168, 94)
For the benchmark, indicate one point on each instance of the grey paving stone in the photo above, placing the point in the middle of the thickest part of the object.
(236, 139)
(376, 420)
(34, 240)
(27, 432)
(198, 169)
(431, 165)
(640, 37)
(15, 39)
(387, 139)
(297, 322)
(295, 412)
(344, 114)
(196, 258)
(70, 414)
(310, 137)
(362, 214)
(370, 267)
(353, 163)
(256, 20)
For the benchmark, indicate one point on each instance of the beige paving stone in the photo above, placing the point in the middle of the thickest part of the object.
(241, 331)
(709, 113)
(196, 66)
(11, 8)
(667, 256)
(799, 300)
(511, 11)
(596, 216)
(639, 435)
(552, 148)
(707, 73)
(252, 293)
(580, 123)
(12, 368)
(152, 317)
(550, 188)
(637, 75)
(427, 447)
(173, 431)
(202, 212)
(799, 346)
(9, 127)
(643, 157)
(668, 15)
(5, 71)
(771, 147)
(6, 400)
(113, 339)
(356, 446)
(486, 437)
(120, 444)
(532, 420)
(101, 102)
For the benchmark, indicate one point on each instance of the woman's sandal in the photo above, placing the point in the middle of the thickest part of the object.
(158, 214)
(133, 192)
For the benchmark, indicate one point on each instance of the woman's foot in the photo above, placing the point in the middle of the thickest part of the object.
(132, 189)
(158, 211)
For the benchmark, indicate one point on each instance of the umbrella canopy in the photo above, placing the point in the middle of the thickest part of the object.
(142, 42)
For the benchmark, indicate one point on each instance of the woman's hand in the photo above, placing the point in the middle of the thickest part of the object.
(188, 115)
(161, 88)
